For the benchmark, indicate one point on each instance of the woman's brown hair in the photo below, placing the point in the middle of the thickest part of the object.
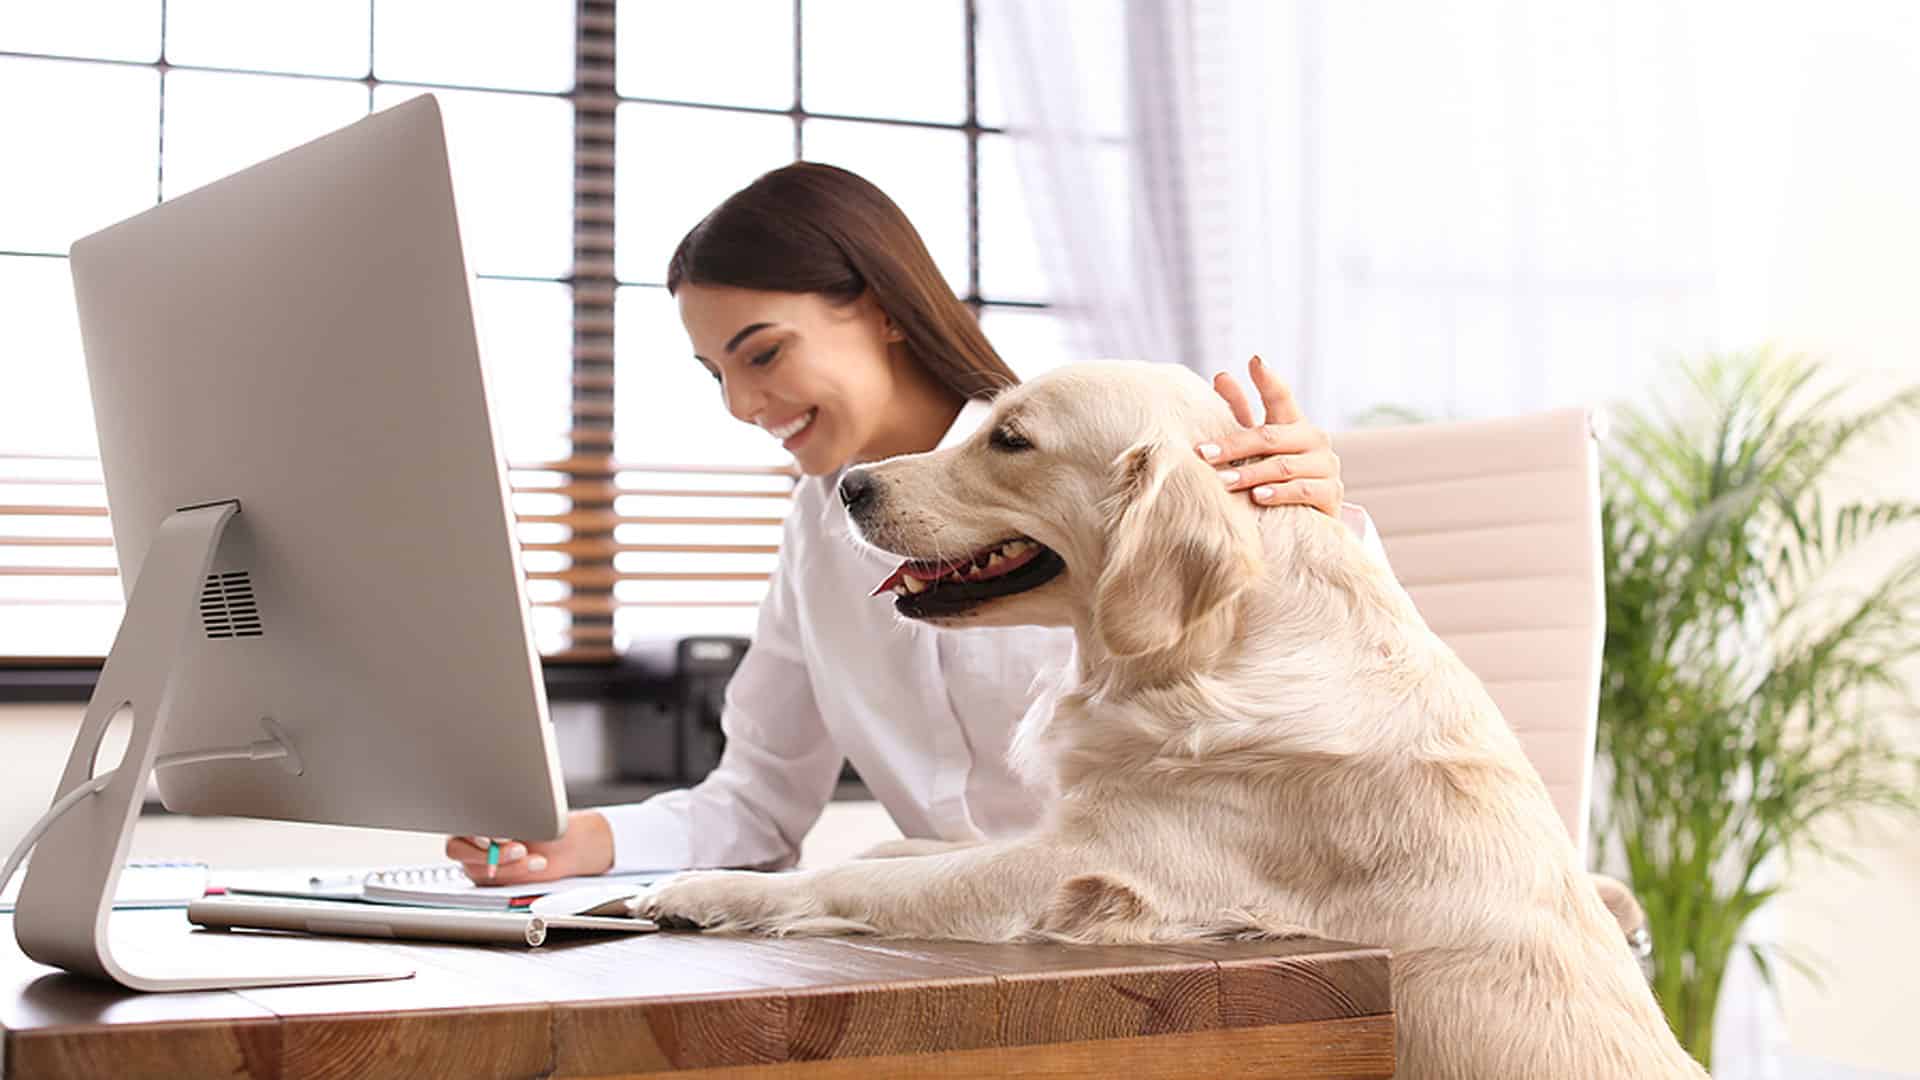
(816, 228)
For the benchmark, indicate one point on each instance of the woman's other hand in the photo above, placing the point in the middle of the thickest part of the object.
(585, 848)
(1280, 458)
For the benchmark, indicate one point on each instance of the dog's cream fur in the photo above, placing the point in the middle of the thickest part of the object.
(1262, 739)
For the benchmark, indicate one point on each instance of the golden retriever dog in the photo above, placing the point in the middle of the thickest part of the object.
(1262, 738)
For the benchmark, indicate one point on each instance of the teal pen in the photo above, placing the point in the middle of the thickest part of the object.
(493, 856)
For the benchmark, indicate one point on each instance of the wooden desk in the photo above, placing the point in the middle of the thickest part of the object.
(732, 1007)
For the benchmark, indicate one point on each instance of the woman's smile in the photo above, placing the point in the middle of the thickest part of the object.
(793, 432)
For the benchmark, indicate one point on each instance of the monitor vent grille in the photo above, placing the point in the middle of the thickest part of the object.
(227, 606)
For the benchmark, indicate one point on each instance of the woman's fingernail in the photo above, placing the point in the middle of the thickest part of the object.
(1229, 477)
(537, 863)
(514, 851)
(492, 870)
(1263, 493)
(1209, 451)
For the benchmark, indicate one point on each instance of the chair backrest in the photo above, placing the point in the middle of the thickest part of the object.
(1493, 526)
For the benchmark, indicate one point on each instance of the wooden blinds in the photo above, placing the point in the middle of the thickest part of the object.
(706, 535)
(588, 475)
(686, 516)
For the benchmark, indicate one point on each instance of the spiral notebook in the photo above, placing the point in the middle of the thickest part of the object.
(435, 885)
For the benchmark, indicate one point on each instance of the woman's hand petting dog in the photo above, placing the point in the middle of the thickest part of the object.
(1280, 459)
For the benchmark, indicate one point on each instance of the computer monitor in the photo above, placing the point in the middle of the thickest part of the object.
(313, 525)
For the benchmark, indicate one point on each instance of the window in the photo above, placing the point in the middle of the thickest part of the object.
(585, 140)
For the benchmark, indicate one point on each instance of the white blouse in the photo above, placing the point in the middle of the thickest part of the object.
(925, 715)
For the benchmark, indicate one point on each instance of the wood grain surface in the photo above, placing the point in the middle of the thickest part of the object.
(1357, 1049)
(722, 1007)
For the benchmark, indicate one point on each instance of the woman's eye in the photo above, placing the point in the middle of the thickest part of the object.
(764, 358)
(1009, 440)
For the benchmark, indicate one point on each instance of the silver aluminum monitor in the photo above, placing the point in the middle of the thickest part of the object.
(298, 450)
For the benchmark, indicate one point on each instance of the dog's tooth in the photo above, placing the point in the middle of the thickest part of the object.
(995, 560)
(913, 584)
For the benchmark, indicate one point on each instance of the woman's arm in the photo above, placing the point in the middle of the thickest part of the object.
(773, 780)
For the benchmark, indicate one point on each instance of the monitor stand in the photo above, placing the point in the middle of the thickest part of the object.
(62, 917)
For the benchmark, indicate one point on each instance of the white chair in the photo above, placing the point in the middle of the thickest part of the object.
(1493, 526)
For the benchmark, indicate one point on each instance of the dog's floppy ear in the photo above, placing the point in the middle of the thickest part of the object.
(1177, 549)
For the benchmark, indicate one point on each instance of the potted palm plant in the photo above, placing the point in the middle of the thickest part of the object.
(1746, 701)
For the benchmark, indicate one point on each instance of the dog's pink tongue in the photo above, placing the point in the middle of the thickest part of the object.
(923, 571)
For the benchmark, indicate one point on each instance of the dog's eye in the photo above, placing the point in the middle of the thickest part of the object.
(1003, 438)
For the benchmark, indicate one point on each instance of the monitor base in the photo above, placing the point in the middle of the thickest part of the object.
(66, 902)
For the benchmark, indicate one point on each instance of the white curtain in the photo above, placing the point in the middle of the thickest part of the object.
(1448, 208)
(1063, 79)
(1454, 207)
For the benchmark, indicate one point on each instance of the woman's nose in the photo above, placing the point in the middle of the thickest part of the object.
(744, 404)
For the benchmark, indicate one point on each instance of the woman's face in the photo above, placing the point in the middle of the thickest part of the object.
(818, 377)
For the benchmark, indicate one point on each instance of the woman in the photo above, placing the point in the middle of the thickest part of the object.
(817, 309)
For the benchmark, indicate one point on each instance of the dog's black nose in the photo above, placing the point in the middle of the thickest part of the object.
(857, 491)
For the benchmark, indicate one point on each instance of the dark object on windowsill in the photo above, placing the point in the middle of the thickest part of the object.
(70, 679)
(48, 679)
(670, 729)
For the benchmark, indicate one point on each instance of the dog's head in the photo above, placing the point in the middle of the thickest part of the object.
(1079, 502)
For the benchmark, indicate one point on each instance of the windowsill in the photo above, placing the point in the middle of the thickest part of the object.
(52, 680)
(585, 795)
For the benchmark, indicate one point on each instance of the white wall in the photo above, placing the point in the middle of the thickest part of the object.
(1845, 284)
(35, 740)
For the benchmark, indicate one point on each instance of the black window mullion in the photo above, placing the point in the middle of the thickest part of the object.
(798, 109)
(970, 28)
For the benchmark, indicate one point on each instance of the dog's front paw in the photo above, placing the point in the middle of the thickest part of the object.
(1255, 924)
(710, 900)
(739, 901)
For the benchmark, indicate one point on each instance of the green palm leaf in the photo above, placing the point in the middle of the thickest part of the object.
(1745, 701)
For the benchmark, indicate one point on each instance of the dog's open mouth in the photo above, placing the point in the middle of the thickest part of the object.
(931, 589)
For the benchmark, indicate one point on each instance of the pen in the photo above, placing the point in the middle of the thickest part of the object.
(493, 856)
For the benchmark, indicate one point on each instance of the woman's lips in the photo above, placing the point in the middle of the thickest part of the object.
(793, 441)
